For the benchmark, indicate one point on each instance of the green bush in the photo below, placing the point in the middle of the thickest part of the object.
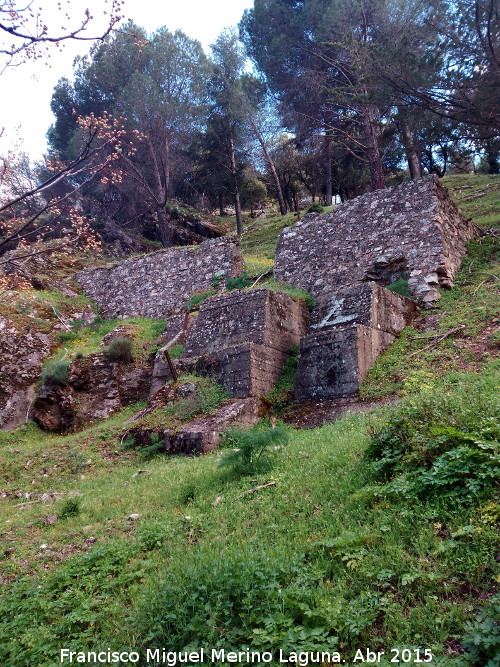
(401, 287)
(482, 642)
(120, 349)
(252, 448)
(281, 396)
(70, 508)
(55, 372)
(445, 441)
(315, 208)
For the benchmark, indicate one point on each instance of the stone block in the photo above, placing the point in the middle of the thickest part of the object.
(412, 229)
(368, 304)
(334, 362)
(244, 339)
(257, 316)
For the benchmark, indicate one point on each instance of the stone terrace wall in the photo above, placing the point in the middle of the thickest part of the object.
(158, 284)
(410, 229)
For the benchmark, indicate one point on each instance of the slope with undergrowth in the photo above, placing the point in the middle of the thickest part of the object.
(379, 531)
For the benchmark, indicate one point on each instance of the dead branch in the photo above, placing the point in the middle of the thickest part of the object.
(437, 339)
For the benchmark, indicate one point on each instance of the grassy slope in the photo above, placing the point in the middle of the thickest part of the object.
(321, 553)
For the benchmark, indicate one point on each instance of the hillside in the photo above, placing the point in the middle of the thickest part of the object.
(379, 530)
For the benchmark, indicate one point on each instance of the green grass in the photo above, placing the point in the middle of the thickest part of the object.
(324, 558)
(260, 236)
(340, 550)
(477, 196)
(470, 310)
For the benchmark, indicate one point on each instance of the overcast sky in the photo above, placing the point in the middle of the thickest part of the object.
(26, 90)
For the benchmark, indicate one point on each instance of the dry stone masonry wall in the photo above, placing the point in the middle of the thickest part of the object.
(158, 284)
(413, 229)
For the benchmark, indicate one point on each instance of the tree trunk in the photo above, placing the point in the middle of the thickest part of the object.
(370, 115)
(296, 203)
(270, 162)
(408, 141)
(328, 171)
(165, 228)
(221, 205)
(237, 203)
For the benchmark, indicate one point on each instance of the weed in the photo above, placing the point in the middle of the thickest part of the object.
(176, 351)
(197, 299)
(252, 448)
(120, 350)
(70, 508)
(316, 208)
(55, 372)
(401, 287)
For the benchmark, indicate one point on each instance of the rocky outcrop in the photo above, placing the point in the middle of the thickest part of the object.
(412, 230)
(21, 356)
(96, 388)
(158, 284)
(244, 339)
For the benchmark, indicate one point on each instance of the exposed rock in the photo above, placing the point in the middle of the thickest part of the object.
(54, 408)
(413, 229)
(203, 435)
(21, 356)
(158, 284)
(120, 244)
(96, 388)
(244, 339)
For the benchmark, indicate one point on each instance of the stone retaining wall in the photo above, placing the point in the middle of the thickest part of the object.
(158, 284)
(413, 229)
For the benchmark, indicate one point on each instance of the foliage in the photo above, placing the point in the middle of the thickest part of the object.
(238, 283)
(316, 208)
(70, 508)
(156, 447)
(482, 641)
(55, 372)
(251, 449)
(120, 350)
(401, 287)
(445, 442)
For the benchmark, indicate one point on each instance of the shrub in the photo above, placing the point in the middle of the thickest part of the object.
(401, 287)
(252, 448)
(55, 372)
(482, 642)
(70, 508)
(315, 208)
(441, 441)
(119, 349)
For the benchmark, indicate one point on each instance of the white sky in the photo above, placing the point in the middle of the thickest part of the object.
(25, 91)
